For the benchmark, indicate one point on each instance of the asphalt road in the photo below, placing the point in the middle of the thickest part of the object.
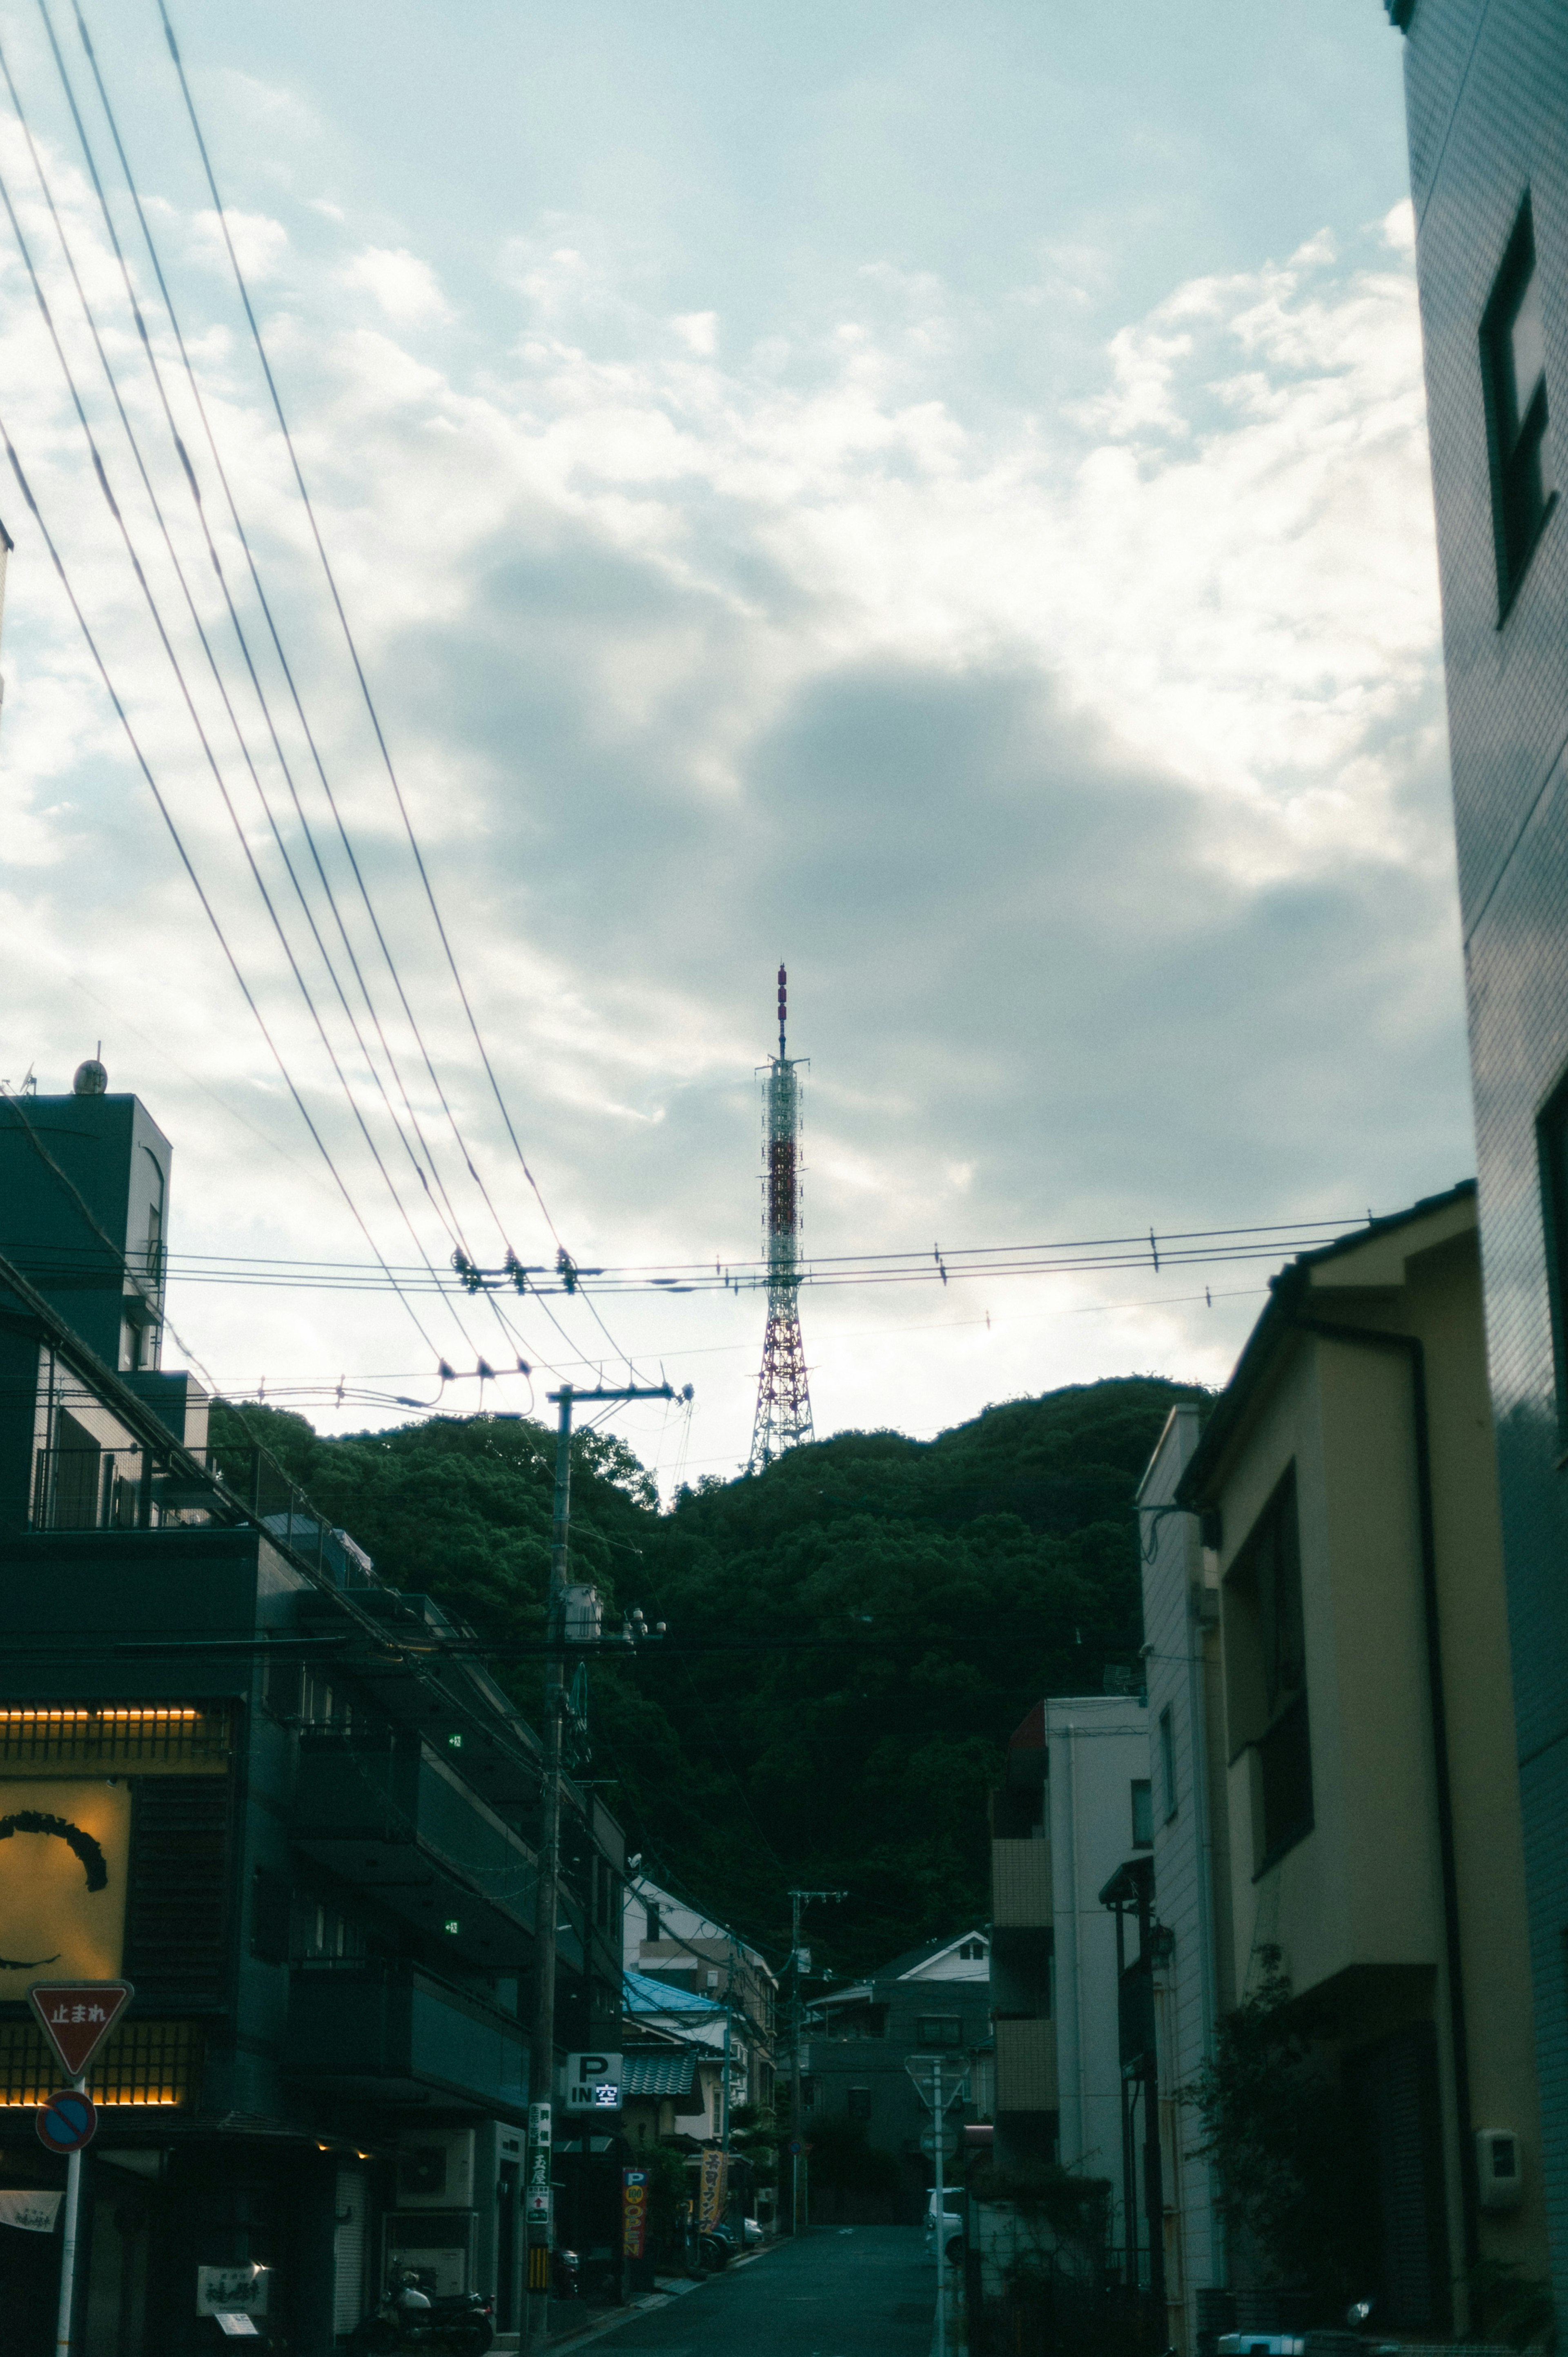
(859, 2291)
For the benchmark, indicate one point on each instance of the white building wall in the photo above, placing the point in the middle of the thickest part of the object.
(1098, 1747)
(1181, 1637)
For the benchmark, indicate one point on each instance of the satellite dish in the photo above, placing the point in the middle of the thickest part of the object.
(91, 1080)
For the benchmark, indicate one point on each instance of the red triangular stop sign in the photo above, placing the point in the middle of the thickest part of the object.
(77, 2016)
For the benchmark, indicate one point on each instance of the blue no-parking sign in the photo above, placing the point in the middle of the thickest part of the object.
(67, 2121)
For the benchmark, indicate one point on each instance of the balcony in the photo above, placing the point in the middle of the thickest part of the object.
(1021, 1884)
(395, 1820)
(387, 2032)
(1025, 2066)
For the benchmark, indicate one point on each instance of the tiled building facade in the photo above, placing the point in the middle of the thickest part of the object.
(1487, 88)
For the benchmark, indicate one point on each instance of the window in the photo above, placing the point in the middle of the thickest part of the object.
(652, 1911)
(1514, 357)
(1552, 1131)
(1143, 1813)
(972, 1952)
(941, 2029)
(1266, 1644)
(1167, 1764)
(858, 2105)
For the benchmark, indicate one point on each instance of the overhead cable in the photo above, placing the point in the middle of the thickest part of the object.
(382, 747)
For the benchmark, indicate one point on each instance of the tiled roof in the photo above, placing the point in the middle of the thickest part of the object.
(658, 2075)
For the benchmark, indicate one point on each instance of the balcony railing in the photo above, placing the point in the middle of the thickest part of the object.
(384, 2029)
(396, 1821)
(87, 1489)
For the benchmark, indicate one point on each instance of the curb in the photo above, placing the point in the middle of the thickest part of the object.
(651, 2301)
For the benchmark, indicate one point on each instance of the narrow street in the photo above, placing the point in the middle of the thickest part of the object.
(859, 2291)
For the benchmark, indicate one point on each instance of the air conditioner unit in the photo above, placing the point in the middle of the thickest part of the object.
(1499, 2169)
(435, 2168)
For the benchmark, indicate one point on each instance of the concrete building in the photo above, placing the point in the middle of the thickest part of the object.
(668, 1940)
(1348, 1479)
(1486, 92)
(934, 1999)
(309, 1823)
(1193, 1972)
(1074, 1808)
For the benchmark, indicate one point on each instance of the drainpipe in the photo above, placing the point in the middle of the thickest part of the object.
(1371, 1338)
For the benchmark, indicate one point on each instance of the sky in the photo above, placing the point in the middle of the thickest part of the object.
(937, 497)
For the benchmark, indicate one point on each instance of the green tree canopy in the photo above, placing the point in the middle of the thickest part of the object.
(853, 1635)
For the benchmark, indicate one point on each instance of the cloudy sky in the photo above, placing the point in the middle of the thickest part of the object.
(937, 497)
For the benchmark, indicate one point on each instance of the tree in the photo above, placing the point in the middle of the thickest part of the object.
(1285, 2143)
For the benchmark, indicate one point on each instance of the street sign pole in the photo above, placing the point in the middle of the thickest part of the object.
(942, 2208)
(75, 2018)
(68, 2248)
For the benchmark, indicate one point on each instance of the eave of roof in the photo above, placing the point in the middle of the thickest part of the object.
(1194, 1490)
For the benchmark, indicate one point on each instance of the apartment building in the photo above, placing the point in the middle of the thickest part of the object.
(1073, 1808)
(1191, 1963)
(1486, 102)
(283, 1800)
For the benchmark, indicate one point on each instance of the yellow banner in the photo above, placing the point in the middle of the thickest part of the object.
(64, 1852)
(715, 2168)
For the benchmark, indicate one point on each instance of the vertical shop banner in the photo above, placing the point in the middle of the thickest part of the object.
(64, 1847)
(711, 2210)
(633, 2212)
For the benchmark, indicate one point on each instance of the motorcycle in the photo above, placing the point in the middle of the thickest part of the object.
(450, 2324)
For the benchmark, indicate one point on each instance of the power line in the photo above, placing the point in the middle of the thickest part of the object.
(382, 746)
(168, 816)
(206, 647)
(276, 637)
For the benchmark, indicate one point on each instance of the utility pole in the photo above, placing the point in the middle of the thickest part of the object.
(797, 1900)
(540, 2198)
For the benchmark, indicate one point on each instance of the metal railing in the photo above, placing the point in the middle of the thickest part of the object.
(87, 1489)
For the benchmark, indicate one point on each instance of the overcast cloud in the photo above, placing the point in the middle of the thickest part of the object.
(1043, 661)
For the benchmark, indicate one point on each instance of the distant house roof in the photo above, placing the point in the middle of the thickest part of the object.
(906, 1967)
(641, 1993)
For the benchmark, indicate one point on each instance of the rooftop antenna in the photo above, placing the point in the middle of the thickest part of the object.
(783, 1395)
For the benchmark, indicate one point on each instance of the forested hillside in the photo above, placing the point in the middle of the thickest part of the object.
(852, 1635)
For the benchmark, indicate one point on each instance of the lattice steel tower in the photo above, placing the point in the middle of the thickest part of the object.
(783, 1397)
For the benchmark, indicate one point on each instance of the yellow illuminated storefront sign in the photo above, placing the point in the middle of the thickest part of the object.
(65, 1848)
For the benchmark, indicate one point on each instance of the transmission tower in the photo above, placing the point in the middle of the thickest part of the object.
(783, 1397)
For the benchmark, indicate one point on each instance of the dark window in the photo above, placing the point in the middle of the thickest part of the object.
(1167, 1764)
(1143, 1813)
(941, 2029)
(807, 2095)
(1514, 351)
(1266, 1644)
(859, 2103)
(1552, 1133)
(652, 1911)
(972, 1952)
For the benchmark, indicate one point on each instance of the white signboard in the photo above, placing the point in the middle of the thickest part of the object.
(232, 2291)
(593, 2083)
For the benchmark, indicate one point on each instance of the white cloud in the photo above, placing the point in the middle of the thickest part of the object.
(1087, 769)
(405, 287)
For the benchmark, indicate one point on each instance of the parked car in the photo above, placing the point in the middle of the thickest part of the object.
(940, 2233)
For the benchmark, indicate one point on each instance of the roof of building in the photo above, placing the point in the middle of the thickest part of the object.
(1285, 1293)
(902, 1968)
(642, 1994)
(672, 2073)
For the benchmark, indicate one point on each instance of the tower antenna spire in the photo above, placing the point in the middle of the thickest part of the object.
(783, 1395)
